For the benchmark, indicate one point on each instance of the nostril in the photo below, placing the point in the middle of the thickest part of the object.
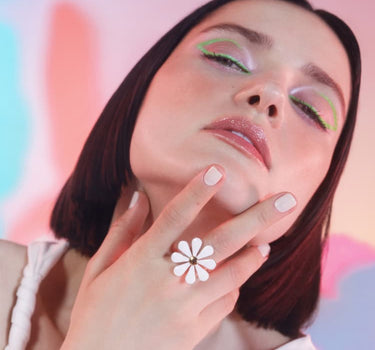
(253, 100)
(272, 111)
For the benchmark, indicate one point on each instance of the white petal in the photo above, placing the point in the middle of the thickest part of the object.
(184, 248)
(178, 257)
(179, 270)
(207, 263)
(205, 252)
(196, 244)
(202, 273)
(190, 276)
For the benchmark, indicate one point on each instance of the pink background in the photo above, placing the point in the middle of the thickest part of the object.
(60, 63)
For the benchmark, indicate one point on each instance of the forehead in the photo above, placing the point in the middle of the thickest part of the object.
(299, 37)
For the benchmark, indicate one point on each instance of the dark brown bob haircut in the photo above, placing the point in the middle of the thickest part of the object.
(284, 293)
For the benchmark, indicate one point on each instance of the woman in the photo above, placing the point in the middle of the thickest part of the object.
(233, 129)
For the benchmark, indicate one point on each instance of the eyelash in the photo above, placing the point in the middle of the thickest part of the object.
(226, 60)
(308, 110)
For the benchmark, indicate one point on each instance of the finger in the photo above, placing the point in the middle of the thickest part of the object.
(231, 274)
(184, 207)
(121, 234)
(214, 313)
(235, 233)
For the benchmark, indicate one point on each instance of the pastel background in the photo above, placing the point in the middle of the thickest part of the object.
(60, 61)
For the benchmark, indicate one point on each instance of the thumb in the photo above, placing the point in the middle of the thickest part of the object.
(122, 233)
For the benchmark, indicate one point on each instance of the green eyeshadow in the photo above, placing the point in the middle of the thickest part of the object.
(334, 127)
(326, 125)
(206, 52)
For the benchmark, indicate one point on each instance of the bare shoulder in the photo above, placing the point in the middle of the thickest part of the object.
(13, 258)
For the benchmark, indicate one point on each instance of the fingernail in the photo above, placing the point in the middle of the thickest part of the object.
(285, 202)
(212, 176)
(264, 249)
(134, 199)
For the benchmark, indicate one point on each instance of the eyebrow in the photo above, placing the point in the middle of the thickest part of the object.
(254, 37)
(322, 77)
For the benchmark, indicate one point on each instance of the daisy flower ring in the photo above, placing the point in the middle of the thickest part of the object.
(193, 260)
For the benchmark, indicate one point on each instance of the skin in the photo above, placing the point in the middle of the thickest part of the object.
(188, 93)
(168, 134)
(175, 203)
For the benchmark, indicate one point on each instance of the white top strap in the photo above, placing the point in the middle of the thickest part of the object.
(42, 256)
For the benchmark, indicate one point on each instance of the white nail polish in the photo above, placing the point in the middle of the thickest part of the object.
(264, 249)
(134, 199)
(212, 176)
(285, 202)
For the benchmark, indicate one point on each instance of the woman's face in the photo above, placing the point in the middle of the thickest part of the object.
(271, 64)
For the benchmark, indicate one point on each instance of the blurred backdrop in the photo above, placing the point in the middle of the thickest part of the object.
(60, 61)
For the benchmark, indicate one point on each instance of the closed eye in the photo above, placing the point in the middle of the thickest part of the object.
(226, 60)
(309, 110)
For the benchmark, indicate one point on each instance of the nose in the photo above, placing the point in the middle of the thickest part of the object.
(266, 100)
(269, 109)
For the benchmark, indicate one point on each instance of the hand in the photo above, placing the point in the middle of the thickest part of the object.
(129, 297)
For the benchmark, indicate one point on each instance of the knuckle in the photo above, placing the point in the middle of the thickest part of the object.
(224, 243)
(196, 194)
(173, 215)
(263, 217)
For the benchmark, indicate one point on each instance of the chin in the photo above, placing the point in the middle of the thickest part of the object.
(236, 199)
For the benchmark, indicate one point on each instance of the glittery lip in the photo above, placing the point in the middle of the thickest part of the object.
(254, 133)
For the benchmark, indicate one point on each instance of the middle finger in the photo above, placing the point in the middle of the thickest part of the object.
(235, 233)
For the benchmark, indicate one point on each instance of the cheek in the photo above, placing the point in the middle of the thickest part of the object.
(178, 103)
(170, 113)
(178, 86)
(304, 156)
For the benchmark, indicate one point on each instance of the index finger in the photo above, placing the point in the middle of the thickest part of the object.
(184, 207)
